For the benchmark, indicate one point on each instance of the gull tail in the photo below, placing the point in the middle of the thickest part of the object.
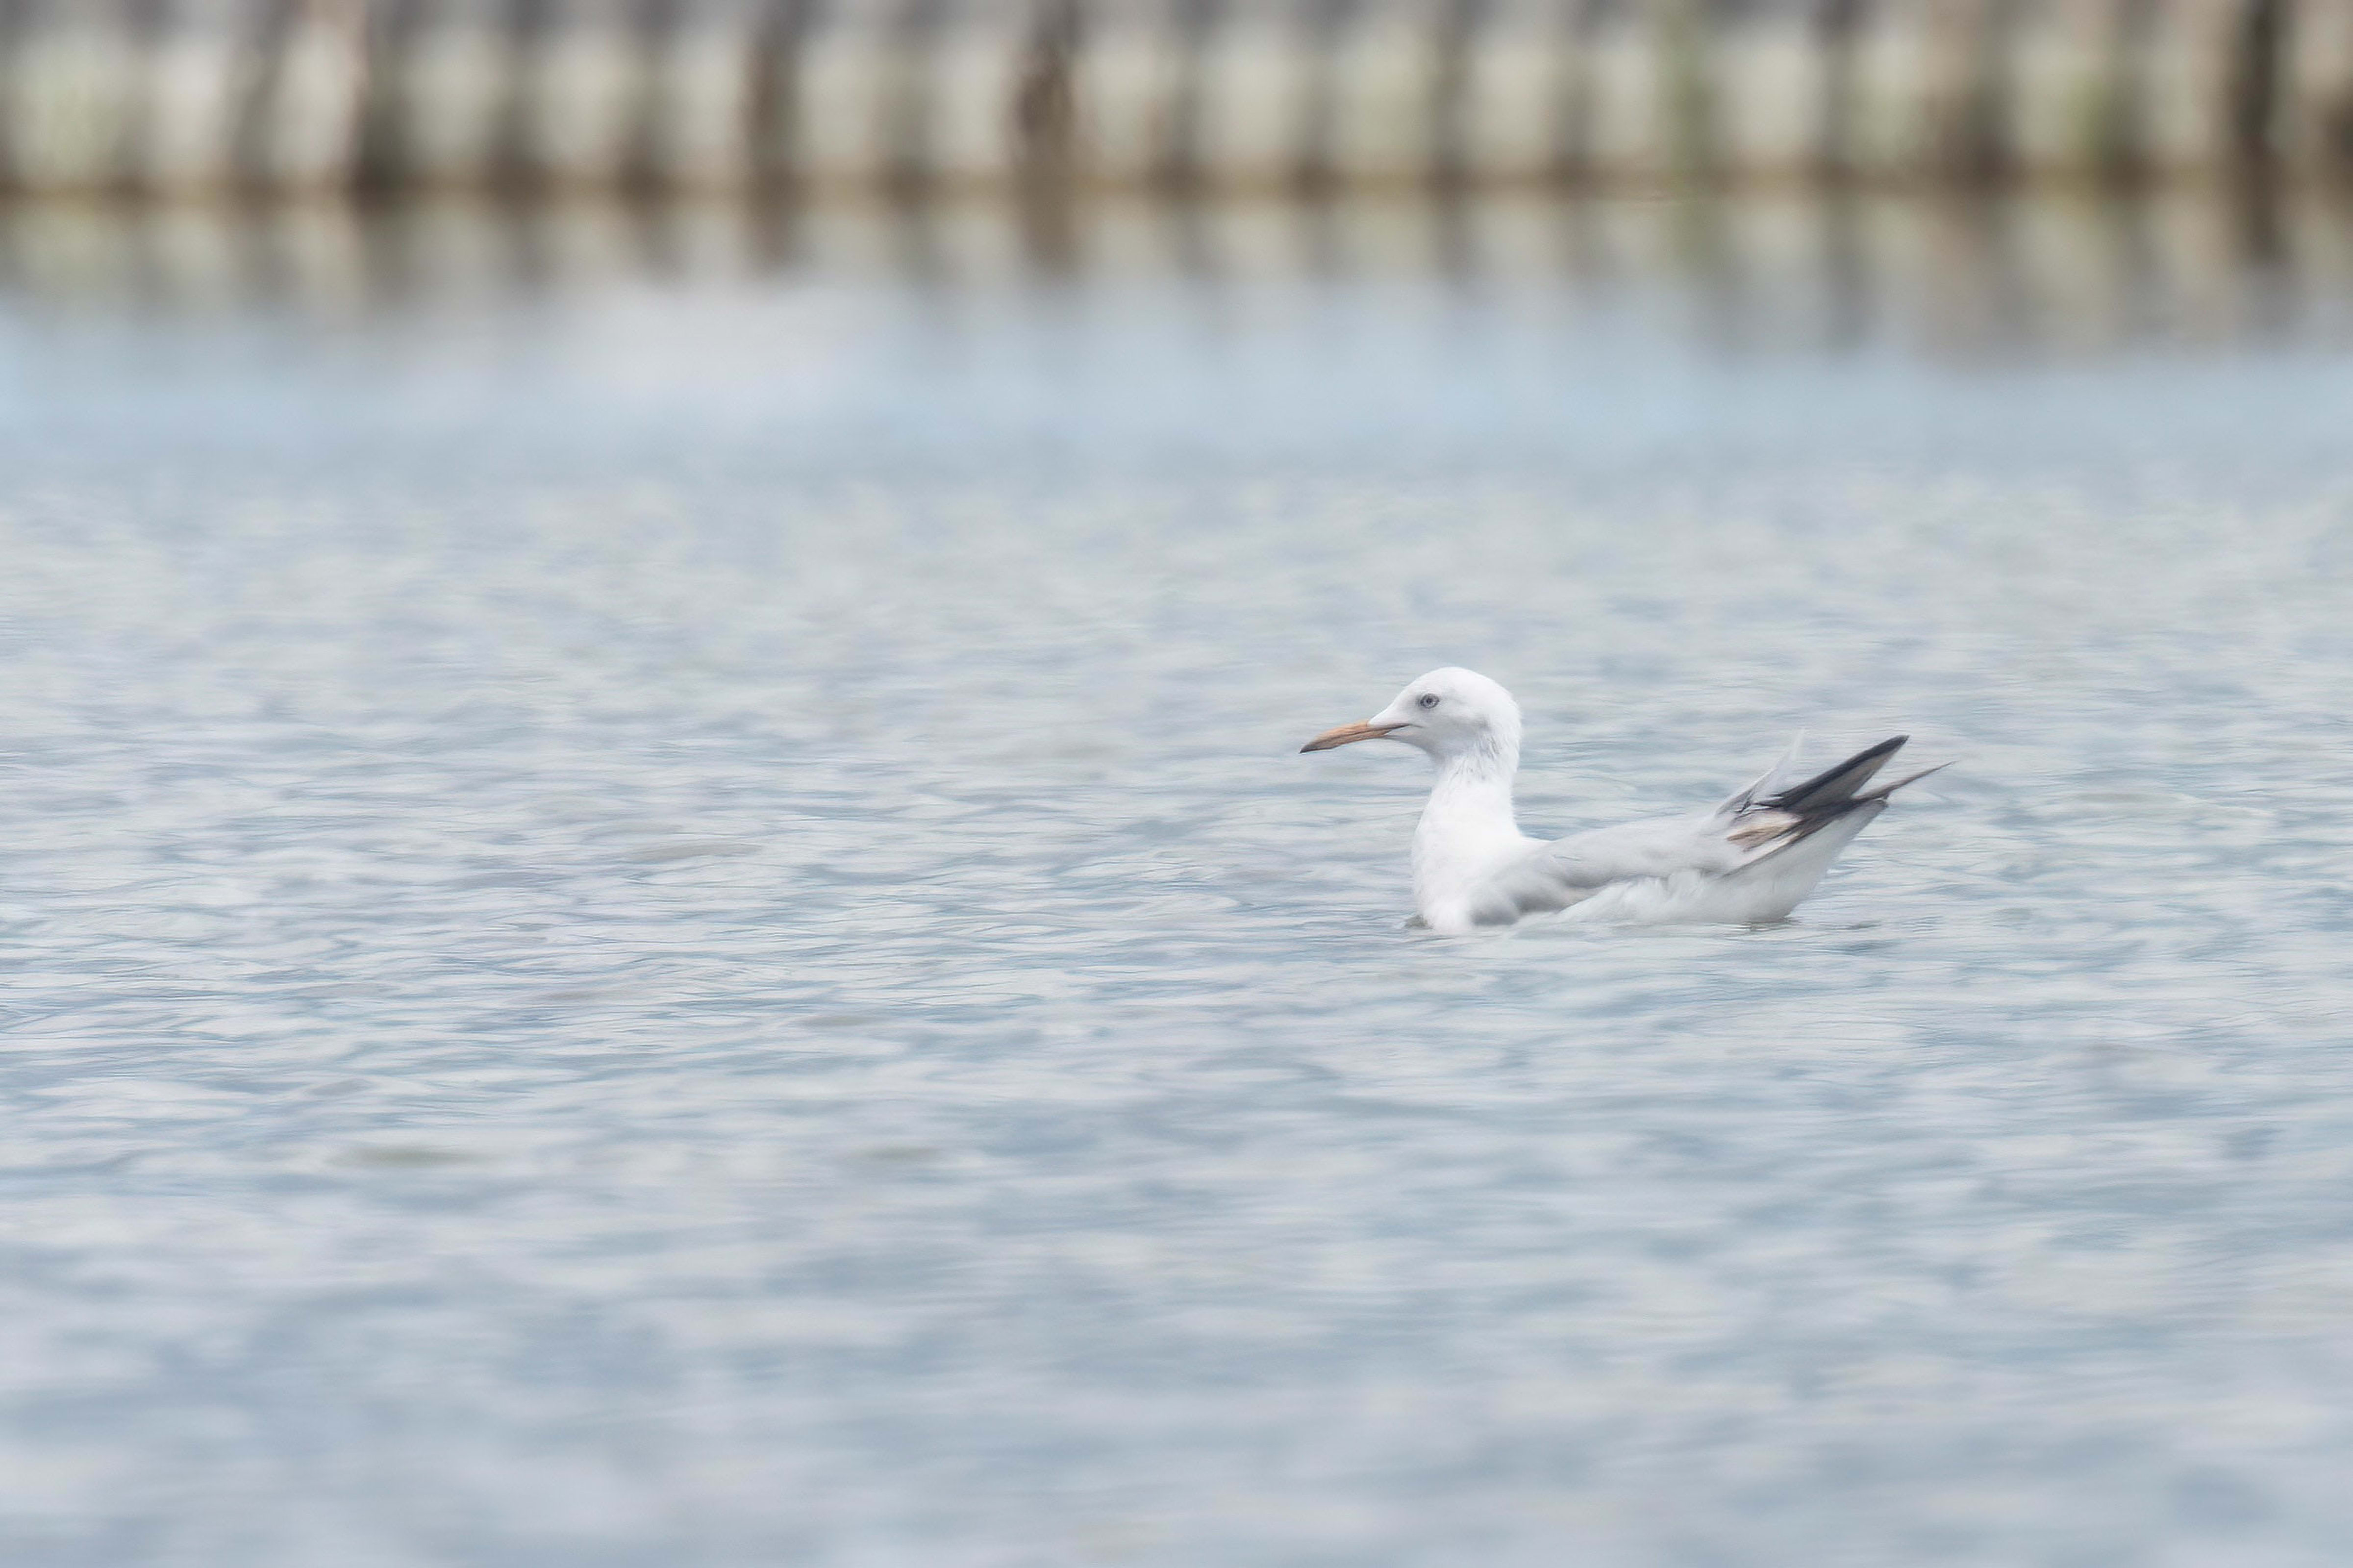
(1793, 833)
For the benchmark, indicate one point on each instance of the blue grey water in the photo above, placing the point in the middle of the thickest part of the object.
(659, 907)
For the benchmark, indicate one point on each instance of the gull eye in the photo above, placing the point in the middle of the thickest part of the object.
(1430, 699)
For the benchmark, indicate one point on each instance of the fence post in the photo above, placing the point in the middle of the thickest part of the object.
(1135, 86)
(1387, 81)
(301, 124)
(187, 136)
(1925, 79)
(1772, 89)
(1513, 125)
(2316, 87)
(855, 118)
(2191, 71)
(700, 99)
(2071, 88)
(972, 90)
(1258, 82)
(580, 96)
(68, 98)
(1617, 114)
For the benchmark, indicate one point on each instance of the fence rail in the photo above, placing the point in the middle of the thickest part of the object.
(176, 97)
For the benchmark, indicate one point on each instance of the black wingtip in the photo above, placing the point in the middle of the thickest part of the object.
(1839, 782)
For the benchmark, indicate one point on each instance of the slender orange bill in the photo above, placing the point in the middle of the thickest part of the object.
(1346, 734)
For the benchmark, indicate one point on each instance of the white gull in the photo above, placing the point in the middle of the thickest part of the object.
(1750, 859)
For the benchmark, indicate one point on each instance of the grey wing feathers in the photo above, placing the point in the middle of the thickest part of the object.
(1569, 870)
(1659, 848)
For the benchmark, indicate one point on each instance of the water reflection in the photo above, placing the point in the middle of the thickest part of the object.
(1955, 276)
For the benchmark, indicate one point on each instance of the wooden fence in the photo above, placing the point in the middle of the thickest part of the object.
(173, 97)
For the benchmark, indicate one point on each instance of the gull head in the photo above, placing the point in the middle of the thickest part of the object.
(1448, 714)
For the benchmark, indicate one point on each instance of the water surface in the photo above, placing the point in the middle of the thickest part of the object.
(660, 910)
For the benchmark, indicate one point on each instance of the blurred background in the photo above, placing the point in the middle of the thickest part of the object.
(1974, 176)
(658, 910)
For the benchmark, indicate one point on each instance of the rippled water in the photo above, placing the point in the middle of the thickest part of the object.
(672, 919)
